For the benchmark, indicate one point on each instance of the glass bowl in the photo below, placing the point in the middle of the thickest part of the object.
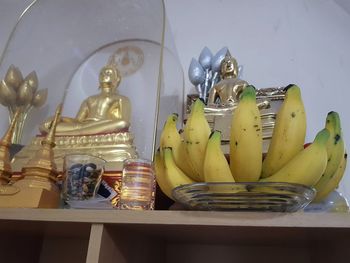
(257, 196)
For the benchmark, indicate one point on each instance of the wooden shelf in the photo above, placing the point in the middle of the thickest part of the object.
(58, 235)
(206, 218)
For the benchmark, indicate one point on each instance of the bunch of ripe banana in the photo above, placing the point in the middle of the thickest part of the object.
(196, 155)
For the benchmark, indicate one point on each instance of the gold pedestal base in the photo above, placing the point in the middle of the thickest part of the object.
(220, 117)
(22, 195)
(112, 147)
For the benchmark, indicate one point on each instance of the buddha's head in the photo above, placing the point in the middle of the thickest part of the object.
(109, 77)
(229, 67)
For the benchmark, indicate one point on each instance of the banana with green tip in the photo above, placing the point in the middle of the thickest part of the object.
(289, 132)
(170, 137)
(246, 139)
(335, 151)
(216, 167)
(307, 166)
(196, 135)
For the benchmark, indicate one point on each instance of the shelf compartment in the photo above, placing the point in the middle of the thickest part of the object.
(43, 241)
(172, 236)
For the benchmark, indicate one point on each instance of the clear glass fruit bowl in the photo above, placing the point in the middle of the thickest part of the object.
(257, 196)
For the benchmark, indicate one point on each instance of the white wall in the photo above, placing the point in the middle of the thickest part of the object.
(277, 41)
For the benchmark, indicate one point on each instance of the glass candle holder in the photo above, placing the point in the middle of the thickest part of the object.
(138, 183)
(82, 176)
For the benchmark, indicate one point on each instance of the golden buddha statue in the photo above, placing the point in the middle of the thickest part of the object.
(227, 90)
(101, 113)
(100, 128)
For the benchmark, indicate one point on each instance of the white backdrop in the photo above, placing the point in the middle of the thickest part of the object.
(278, 42)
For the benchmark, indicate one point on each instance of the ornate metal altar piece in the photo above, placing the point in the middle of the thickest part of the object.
(217, 82)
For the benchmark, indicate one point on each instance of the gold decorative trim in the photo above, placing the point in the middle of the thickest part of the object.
(90, 140)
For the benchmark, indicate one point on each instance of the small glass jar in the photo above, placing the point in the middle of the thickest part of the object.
(82, 176)
(138, 184)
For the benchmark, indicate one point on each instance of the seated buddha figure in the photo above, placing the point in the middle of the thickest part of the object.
(100, 128)
(227, 91)
(105, 112)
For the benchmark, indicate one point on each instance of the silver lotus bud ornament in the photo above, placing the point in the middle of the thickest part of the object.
(205, 58)
(218, 58)
(196, 72)
(196, 75)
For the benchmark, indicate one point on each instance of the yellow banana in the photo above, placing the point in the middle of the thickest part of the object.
(196, 135)
(161, 175)
(246, 139)
(307, 166)
(183, 162)
(333, 181)
(289, 132)
(335, 151)
(170, 137)
(216, 167)
(173, 175)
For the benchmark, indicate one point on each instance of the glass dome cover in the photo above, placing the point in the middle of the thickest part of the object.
(67, 43)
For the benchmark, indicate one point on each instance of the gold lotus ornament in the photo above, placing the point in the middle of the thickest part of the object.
(7, 94)
(21, 93)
